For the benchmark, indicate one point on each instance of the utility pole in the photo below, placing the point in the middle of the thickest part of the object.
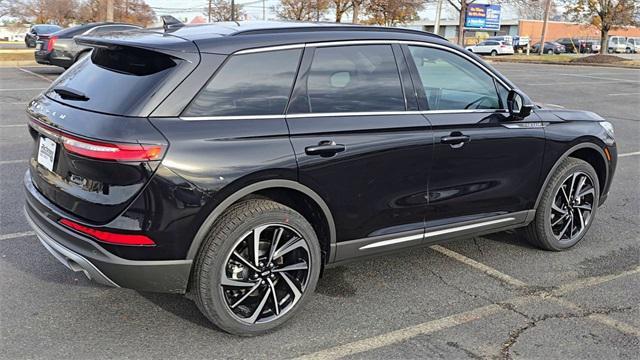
(436, 26)
(209, 12)
(547, 9)
(110, 10)
(264, 10)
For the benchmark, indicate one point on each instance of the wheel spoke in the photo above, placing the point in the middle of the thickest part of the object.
(586, 207)
(299, 266)
(581, 182)
(581, 220)
(245, 261)
(571, 228)
(274, 244)
(588, 191)
(291, 245)
(558, 221)
(237, 283)
(256, 244)
(292, 286)
(573, 180)
(276, 305)
(566, 197)
(245, 296)
(556, 208)
(258, 311)
(564, 230)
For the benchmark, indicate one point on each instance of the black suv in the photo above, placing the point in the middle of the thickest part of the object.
(233, 162)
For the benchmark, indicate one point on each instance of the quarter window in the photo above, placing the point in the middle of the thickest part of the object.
(452, 82)
(249, 84)
(351, 79)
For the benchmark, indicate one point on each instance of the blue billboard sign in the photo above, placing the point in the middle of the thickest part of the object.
(482, 16)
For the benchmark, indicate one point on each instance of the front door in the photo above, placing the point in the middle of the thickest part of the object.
(485, 164)
(361, 144)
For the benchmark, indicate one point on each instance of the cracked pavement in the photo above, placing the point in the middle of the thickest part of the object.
(422, 303)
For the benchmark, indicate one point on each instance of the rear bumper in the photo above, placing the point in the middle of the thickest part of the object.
(82, 254)
(42, 57)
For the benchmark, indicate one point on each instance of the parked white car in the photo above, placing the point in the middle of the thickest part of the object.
(491, 47)
(633, 45)
(617, 44)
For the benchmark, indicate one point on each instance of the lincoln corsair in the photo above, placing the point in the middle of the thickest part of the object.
(233, 162)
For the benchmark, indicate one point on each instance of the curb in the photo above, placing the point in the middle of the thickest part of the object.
(621, 66)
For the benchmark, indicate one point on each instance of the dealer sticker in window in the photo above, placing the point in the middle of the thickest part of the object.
(47, 153)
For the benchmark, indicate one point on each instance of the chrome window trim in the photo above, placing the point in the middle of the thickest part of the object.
(341, 114)
(373, 113)
(372, 42)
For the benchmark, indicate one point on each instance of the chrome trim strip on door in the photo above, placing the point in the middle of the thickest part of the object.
(393, 241)
(232, 117)
(436, 233)
(269, 48)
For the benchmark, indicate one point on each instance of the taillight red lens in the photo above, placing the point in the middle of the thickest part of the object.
(52, 41)
(103, 150)
(109, 237)
(106, 151)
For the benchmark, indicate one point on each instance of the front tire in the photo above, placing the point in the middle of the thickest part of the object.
(568, 206)
(494, 53)
(258, 266)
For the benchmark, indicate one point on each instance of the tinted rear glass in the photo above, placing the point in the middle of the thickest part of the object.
(73, 31)
(115, 81)
(249, 84)
(46, 29)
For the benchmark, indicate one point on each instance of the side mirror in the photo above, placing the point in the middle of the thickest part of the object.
(519, 105)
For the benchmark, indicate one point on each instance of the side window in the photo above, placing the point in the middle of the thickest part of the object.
(351, 79)
(452, 82)
(249, 84)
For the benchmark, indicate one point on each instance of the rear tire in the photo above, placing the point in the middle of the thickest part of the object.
(233, 285)
(549, 52)
(560, 224)
(494, 53)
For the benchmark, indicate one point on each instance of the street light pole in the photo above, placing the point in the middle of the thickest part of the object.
(209, 13)
(436, 25)
(233, 10)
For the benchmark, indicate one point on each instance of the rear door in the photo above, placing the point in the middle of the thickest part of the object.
(361, 144)
(485, 164)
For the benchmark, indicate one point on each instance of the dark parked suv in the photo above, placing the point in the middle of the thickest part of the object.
(234, 162)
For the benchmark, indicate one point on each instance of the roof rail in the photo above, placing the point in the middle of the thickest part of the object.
(312, 28)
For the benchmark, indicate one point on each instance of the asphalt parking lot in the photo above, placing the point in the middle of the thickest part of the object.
(488, 297)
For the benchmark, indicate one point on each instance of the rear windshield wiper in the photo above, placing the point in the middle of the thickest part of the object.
(70, 94)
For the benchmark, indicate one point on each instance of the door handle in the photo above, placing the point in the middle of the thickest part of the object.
(456, 140)
(325, 148)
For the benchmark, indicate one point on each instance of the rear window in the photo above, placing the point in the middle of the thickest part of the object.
(115, 81)
(73, 31)
(46, 29)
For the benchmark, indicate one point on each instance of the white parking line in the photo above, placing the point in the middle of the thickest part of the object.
(602, 78)
(16, 235)
(3, 162)
(12, 125)
(482, 267)
(394, 337)
(629, 154)
(397, 336)
(623, 94)
(22, 89)
(36, 75)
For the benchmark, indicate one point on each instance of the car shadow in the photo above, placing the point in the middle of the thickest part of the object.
(180, 306)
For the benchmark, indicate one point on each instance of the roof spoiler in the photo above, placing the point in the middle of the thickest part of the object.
(169, 22)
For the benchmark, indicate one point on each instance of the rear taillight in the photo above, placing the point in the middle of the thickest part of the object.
(504, 46)
(108, 151)
(52, 41)
(104, 150)
(109, 237)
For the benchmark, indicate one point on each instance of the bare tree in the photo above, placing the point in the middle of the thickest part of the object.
(605, 14)
(356, 9)
(340, 7)
(61, 12)
(7, 7)
(302, 10)
(533, 9)
(392, 12)
(220, 10)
